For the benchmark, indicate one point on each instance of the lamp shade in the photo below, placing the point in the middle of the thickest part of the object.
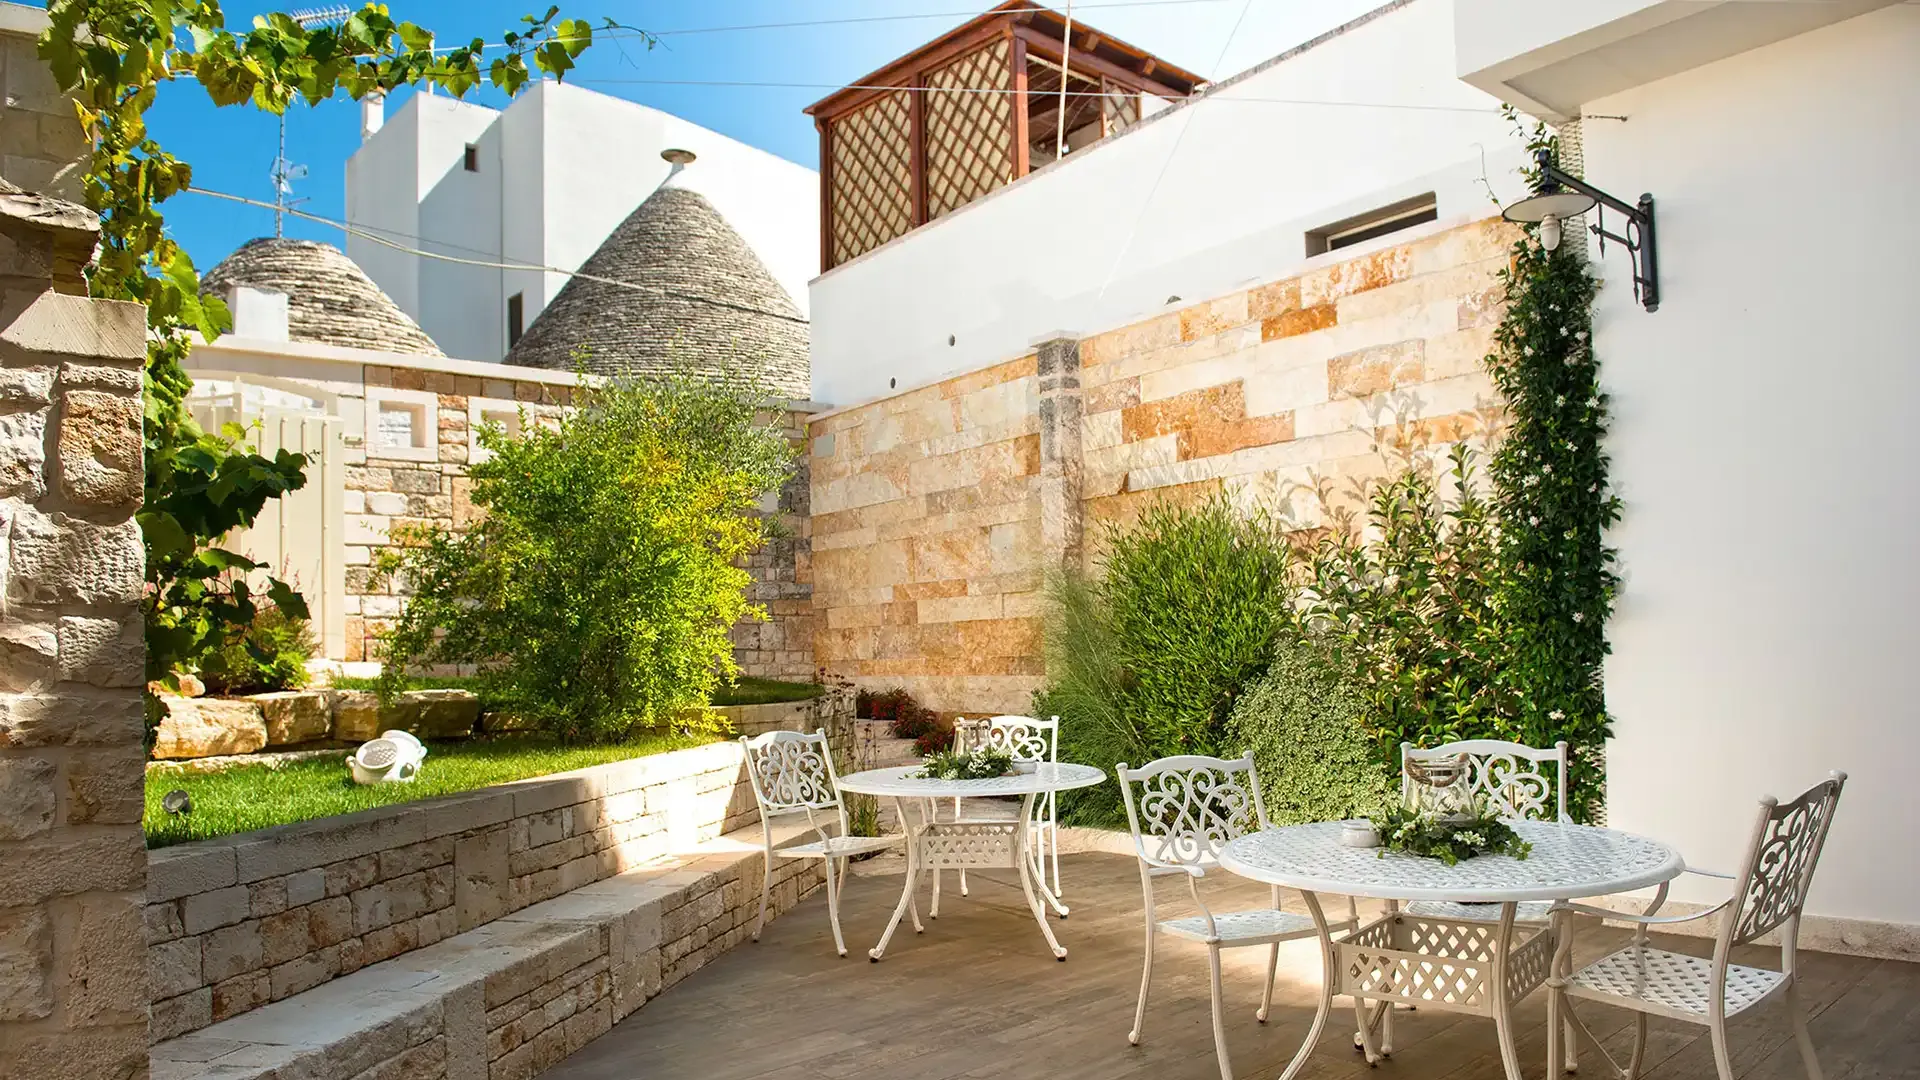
(1559, 204)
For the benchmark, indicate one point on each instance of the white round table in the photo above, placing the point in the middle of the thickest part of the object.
(1393, 959)
(935, 845)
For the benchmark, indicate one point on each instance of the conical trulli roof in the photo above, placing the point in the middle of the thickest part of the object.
(330, 300)
(705, 304)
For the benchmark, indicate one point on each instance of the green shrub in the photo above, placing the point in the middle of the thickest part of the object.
(1148, 658)
(1305, 727)
(597, 590)
(270, 654)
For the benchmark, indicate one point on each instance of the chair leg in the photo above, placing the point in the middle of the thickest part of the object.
(1219, 1018)
(963, 883)
(1639, 1046)
(933, 911)
(766, 886)
(1800, 1033)
(1722, 1060)
(1266, 992)
(833, 907)
(1146, 979)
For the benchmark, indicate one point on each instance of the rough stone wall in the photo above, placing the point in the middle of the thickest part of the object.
(386, 491)
(41, 144)
(237, 922)
(73, 981)
(938, 510)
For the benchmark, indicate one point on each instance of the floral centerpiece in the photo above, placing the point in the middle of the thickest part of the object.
(1444, 819)
(985, 763)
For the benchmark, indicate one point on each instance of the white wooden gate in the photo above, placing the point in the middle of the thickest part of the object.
(300, 535)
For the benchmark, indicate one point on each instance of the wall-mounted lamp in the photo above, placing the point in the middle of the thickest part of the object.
(1558, 196)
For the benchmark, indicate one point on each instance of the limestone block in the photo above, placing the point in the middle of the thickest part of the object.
(211, 910)
(100, 449)
(493, 723)
(204, 727)
(123, 380)
(26, 797)
(26, 962)
(356, 715)
(105, 787)
(59, 325)
(294, 716)
(231, 951)
(179, 1015)
(173, 968)
(103, 652)
(57, 559)
(480, 880)
(29, 655)
(26, 386)
(100, 980)
(438, 714)
(23, 439)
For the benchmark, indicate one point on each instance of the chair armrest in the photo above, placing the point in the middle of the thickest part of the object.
(1638, 920)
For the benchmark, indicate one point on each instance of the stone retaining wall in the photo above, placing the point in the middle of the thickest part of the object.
(237, 922)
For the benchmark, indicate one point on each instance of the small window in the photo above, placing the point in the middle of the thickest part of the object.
(1360, 228)
(402, 426)
(473, 158)
(516, 318)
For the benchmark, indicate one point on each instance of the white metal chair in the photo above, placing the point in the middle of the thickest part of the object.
(1770, 893)
(1186, 810)
(1028, 739)
(1517, 781)
(792, 773)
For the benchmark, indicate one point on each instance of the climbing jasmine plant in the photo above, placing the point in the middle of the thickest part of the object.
(1553, 505)
(113, 57)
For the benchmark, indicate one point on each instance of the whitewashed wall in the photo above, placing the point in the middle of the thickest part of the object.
(1095, 242)
(1765, 447)
(559, 169)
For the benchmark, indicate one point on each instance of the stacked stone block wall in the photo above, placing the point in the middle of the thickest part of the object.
(237, 922)
(73, 990)
(938, 511)
(42, 147)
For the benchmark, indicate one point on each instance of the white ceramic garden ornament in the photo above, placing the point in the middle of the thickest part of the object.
(393, 758)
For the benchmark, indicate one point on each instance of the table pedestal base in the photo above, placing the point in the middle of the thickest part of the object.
(935, 846)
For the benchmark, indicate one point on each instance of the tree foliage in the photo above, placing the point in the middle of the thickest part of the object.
(113, 56)
(597, 591)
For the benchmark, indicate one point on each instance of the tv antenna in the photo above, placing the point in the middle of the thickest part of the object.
(285, 172)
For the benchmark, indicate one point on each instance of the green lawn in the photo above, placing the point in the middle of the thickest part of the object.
(750, 691)
(254, 796)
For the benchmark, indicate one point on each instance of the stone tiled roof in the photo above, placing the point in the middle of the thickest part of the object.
(704, 305)
(330, 300)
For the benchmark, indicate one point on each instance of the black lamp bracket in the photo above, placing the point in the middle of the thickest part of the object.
(1638, 238)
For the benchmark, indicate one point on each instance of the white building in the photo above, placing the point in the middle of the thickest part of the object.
(1763, 436)
(542, 183)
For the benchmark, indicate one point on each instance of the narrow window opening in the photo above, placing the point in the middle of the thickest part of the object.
(1360, 228)
(515, 319)
(473, 158)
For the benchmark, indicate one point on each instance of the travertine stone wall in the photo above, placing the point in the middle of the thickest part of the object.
(73, 980)
(938, 510)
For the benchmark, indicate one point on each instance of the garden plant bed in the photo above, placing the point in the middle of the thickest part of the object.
(748, 691)
(248, 797)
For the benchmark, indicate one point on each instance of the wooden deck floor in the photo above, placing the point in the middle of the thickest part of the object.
(978, 996)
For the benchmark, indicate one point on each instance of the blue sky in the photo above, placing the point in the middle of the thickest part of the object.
(702, 42)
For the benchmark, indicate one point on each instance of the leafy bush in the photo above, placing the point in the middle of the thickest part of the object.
(885, 705)
(1306, 729)
(911, 720)
(937, 739)
(597, 590)
(1148, 658)
(269, 654)
(1407, 611)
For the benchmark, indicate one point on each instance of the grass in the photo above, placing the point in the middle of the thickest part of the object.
(255, 796)
(749, 691)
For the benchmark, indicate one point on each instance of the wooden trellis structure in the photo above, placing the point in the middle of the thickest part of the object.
(967, 113)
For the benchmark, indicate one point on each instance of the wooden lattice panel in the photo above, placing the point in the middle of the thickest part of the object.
(969, 128)
(872, 176)
(1119, 109)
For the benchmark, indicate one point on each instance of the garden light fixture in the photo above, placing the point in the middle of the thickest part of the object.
(1558, 195)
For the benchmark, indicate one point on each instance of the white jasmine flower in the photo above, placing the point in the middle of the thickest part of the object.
(1579, 616)
(1559, 400)
(1533, 521)
(1581, 334)
(1556, 715)
(1548, 469)
(1530, 481)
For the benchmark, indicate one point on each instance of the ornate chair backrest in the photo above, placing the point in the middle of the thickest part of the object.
(1188, 807)
(1027, 738)
(1516, 781)
(791, 772)
(1779, 867)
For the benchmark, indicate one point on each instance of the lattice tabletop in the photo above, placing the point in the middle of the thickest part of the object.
(1567, 861)
(900, 782)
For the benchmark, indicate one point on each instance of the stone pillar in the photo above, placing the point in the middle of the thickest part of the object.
(73, 863)
(1060, 412)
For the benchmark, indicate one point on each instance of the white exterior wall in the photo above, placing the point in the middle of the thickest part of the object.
(1764, 444)
(559, 169)
(1249, 178)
